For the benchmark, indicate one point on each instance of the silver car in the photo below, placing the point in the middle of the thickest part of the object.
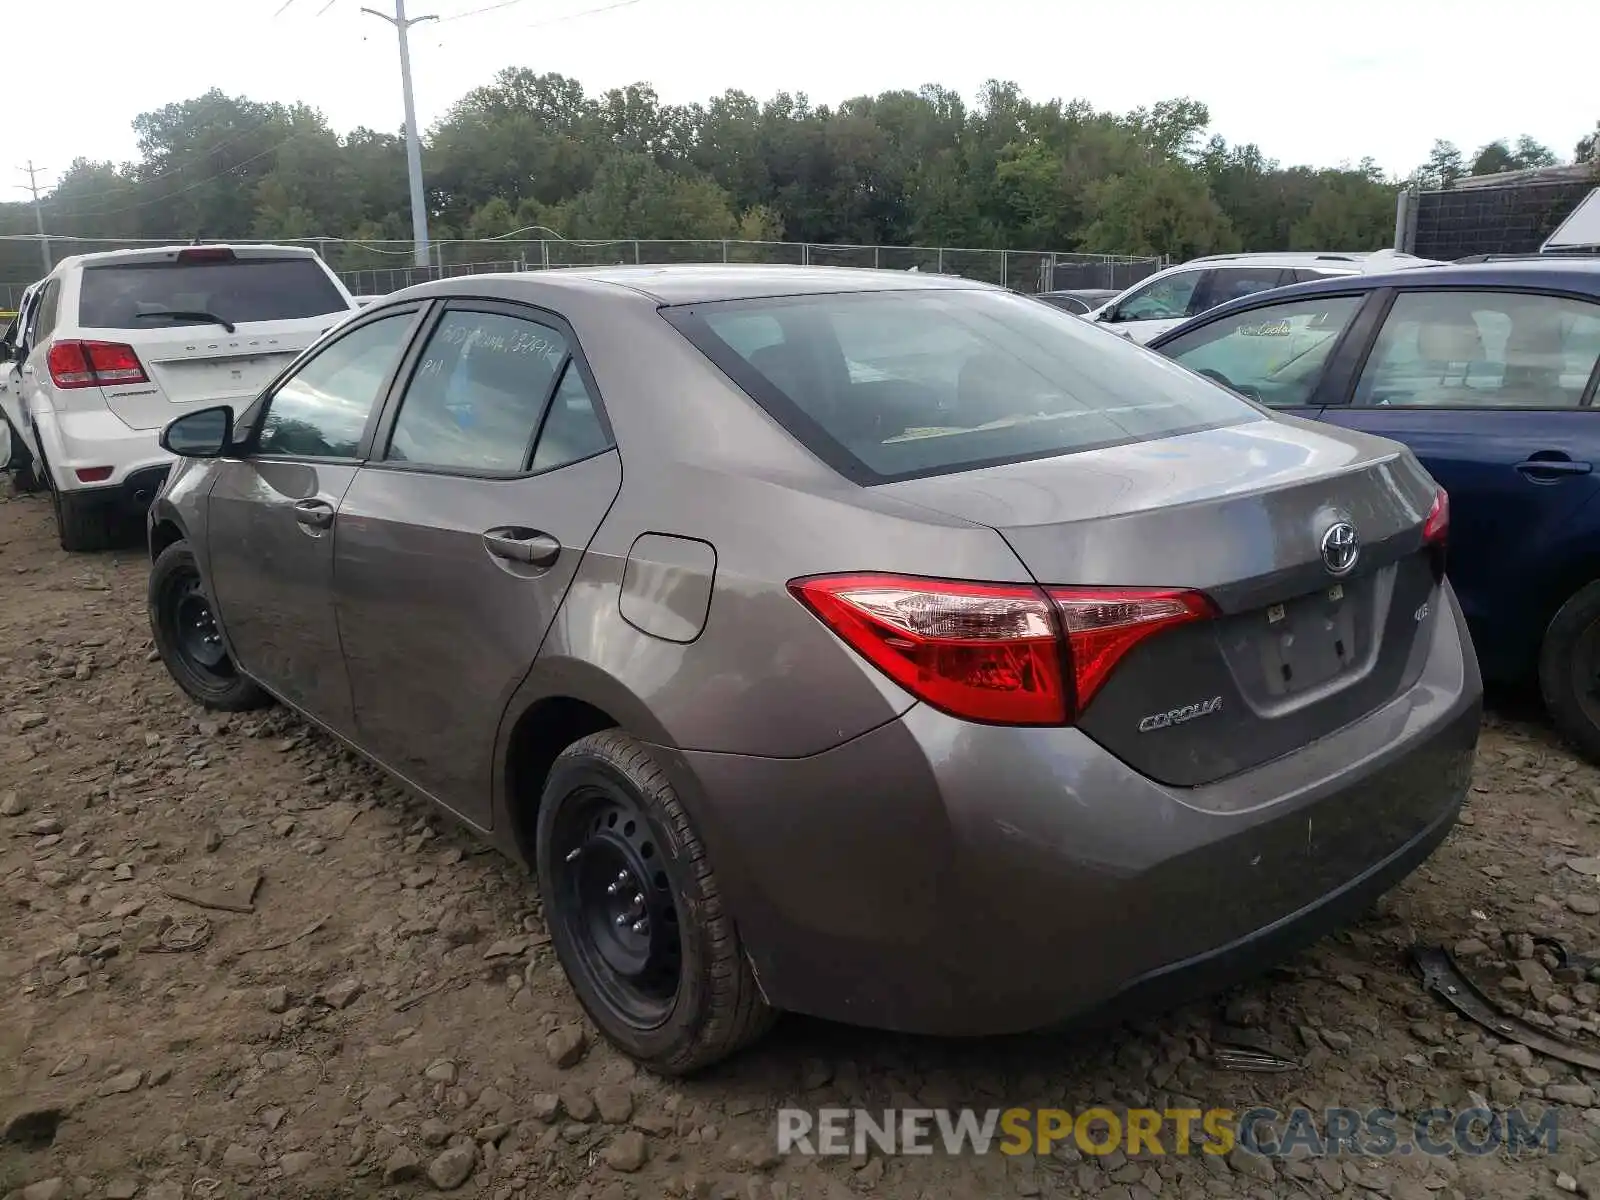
(880, 646)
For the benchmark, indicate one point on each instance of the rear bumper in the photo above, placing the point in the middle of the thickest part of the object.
(939, 877)
(94, 440)
(133, 495)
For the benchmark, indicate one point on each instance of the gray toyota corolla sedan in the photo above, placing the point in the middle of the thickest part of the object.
(879, 646)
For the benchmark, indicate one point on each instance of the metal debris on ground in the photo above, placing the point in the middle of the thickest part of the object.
(180, 937)
(1441, 976)
(1233, 1058)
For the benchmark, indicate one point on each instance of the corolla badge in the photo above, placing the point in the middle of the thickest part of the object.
(1340, 548)
(1179, 716)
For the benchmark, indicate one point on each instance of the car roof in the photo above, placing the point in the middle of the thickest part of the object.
(1567, 274)
(697, 283)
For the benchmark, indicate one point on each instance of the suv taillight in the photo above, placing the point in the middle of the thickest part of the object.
(1003, 654)
(93, 364)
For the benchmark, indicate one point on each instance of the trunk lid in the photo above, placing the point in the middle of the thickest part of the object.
(1297, 651)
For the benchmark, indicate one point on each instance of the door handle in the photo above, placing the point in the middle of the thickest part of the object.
(314, 514)
(530, 546)
(1536, 467)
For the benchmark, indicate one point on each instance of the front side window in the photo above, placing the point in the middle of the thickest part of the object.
(1164, 299)
(894, 384)
(1275, 354)
(321, 410)
(1481, 349)
(476, 397)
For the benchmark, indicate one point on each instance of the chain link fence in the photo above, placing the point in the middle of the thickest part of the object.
(377, 268)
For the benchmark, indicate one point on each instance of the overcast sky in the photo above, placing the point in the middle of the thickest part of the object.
(1313, 83)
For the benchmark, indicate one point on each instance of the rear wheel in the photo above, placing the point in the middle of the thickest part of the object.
(187, 637)
(82, 523)
(635, 912)
(1569, 671)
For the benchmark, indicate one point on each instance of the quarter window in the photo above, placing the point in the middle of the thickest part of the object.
(1441, 349)
(1275, 354)
(1233, 283)
(475, 399)
(321, 410)
(572, 431)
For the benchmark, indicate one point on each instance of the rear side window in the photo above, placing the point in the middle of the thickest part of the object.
(1441, 349)
(166, 294)
(891, 385)
(1234, 283)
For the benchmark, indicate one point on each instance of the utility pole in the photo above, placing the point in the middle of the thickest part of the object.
(419, 208)
(32, 186)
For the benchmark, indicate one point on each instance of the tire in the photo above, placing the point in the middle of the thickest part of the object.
(195, 657)
(1569, 671)
(81, 524)
(688, 1009)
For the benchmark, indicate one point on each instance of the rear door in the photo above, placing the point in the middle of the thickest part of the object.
(35, 391)
(457, 541)
(1493, 390)
(272, 515)
(1279, 354)
(268, 308)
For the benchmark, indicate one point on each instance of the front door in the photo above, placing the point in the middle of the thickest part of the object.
(1159, 305)
(1493, 392)
(272, 516)
(458, 540)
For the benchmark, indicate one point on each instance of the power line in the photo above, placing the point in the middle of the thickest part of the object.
(484, 8)
(32, 187)
(587, 12)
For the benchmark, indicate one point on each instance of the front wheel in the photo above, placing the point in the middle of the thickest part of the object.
(187, 637)
(1569, 671)
(635, 912)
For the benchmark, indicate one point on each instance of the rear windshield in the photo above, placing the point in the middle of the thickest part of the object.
(114, 295)
(896, 384)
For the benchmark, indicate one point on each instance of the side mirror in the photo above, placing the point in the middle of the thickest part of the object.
(1108, 313)
(207, 433)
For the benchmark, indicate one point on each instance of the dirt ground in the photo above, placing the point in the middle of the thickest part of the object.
(378, 1015)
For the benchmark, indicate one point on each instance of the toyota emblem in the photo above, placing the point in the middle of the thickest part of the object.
(1340, 548)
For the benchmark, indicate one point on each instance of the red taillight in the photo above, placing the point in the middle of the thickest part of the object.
(1436, 529)
(93, 364)
(205, 254)
(1103, 624)
(994, 652)
(92, 474)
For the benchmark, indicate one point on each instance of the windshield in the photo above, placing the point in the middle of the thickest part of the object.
(145, 295)
(895, 384)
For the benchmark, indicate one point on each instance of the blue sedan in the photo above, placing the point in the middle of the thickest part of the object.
(1488, 372)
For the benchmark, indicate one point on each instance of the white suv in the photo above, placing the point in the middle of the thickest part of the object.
(1169, 298)
(110, 347)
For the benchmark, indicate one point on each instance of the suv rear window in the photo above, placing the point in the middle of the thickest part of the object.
(896, 384)
(113, 295)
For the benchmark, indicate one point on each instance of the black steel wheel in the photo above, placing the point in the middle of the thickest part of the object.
(189, 639)
(1569, 671)
(618, 904)
(635, 913)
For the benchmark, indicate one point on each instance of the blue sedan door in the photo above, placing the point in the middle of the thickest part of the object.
(1493, 391)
